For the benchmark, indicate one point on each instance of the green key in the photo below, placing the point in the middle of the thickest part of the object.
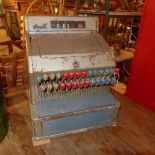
(55, 85)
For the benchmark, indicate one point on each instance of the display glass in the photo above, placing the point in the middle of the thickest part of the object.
(68, 24)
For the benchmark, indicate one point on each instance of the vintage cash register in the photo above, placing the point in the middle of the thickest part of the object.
(71, 68)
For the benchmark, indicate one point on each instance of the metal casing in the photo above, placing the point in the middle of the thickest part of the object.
(59, 49)
(64, 44)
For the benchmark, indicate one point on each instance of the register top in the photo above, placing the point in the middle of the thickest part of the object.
(51, 44)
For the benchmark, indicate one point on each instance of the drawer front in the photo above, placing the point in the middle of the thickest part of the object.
(78, 122)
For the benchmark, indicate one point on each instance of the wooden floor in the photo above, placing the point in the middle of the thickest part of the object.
(134, 134)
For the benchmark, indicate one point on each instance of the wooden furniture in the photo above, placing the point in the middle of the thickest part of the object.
(14, 73)
(7, 42)
(5, 39)
(124, 56)
(12, 64)
(4, 24)
(9, 71)
(123, 61)
(21, 62)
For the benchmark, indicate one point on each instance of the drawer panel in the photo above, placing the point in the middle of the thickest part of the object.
(74, 123)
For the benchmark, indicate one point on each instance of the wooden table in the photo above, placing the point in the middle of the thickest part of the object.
(123, 59)
(134, 134)
(124, 56)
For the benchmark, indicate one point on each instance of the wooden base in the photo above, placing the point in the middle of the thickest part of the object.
(40, 142)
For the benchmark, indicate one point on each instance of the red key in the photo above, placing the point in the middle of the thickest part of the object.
(65, 75)
(117, 70)
(77, 75)
(68, 85)
(62, 86)
(71, 75)
(75, 84)
(87, 83)
(84, 74)
(81, 84)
